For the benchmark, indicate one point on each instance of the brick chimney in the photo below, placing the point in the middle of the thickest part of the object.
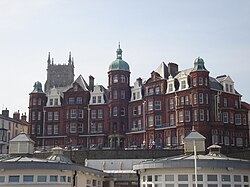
(16, 115)
(91, 83)
(24, 117)
(5, 112)
(172, 69)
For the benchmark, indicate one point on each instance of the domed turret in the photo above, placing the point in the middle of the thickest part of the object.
(37, 87)
(119, 64)
(199, 64)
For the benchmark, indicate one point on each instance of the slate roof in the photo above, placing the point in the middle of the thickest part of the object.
(80, 80)
(22, 137)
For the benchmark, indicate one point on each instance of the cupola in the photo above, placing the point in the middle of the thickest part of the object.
(37, 87)
(119, 64)
(199, 65)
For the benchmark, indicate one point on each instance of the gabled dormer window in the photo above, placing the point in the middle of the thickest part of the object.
(183, 84)
(170, 87)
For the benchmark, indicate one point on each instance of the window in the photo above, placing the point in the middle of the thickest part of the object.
(157, 105)
(94, 99)
(169, 177)
(50, 116)
(99, 127)
(115, 111)
(150, 121)
(182, 177)
(139, 124)
(80, 127)
(182, 100)
(237, 178)
(56, 101)
(93, 114)
(225, 117)
(134, 96)
(206, 98)
(225, 102)
(171, 119)
(195, 98)
(73, 113)
(187, 116)
(28, 178)
(62, 178)
(149, 178)
(80, 113)
(33, 115)
(123, 79)
(236, 104)
(205, 81)
(56, 115)
(79, 100)
(225, 178)
(183, 84)
(14, 178)
(38, 129)
(200, 81)
(194, 82)
(195, 115)
(211, 177)
(201, 114)
(201, 98)
(115, 79)
(157, 120)
(56, 129)
(199, 177)
(171, 103)
(49, 129)
(227, 88)
(180, 116)
(158, 177)
(39, 101)
(93, 128)
(72, 128)
(2, 179)
(237, 119)
(245, 178)
(182, 185)
(71, 100)
(122, 111)
(135, 110)
(50, 102)
(53, 178)
(157, 90)
(139, 109)
(186, 100)
(99, 99)
(115, 96)
(39, 116)
(150, 105)
(170, 87)
(122, 94)
(100, 114)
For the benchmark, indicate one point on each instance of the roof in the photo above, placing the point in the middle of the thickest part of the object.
(162, 70)
(119, 64)
(214, 84)
(245, 105)
(194, 135)
(80, 80)
(22, 137)
(187, 161)
(22, 162)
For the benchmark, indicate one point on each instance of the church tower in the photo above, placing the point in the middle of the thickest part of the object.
(119, 95)
(59, 75)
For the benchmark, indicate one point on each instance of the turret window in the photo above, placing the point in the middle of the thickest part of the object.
(201, 98)
(39, 101)
(157, 90)
(123, 79)
(122, 111)
(237, 119)
(115, 111)
(34, 101)
(194, 82)
(200, 81)
(201, 114)
(115, 94)
(122, 94)
(115, 79)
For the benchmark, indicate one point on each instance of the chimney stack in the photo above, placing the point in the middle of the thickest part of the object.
(91, 83)
(172, 69)
(24, 117)
(16, 115)
(5, 112)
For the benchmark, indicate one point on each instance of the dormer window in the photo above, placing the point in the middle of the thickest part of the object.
(183, 84)
(56, 101)
(170, 87)
(99, 99)
(227, 88)
(50, 102)
(231, 88)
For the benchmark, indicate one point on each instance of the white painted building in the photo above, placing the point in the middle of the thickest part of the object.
(213, 170)
(19, 168)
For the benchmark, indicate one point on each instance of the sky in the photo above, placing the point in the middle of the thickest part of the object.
(150, 32)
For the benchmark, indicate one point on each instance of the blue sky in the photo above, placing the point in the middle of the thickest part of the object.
(150, 31)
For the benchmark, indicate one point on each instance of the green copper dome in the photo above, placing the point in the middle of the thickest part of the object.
(37, 87)
(199, 64)
(119, 64)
